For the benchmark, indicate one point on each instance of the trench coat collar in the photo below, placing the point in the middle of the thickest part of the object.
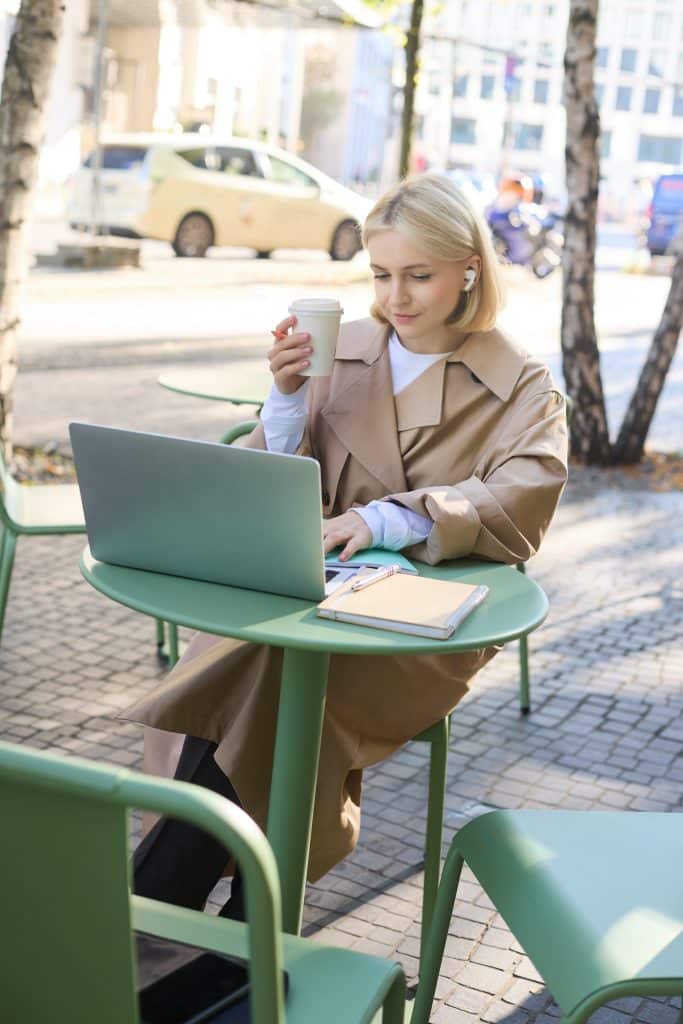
(494, 359)
(361, 382)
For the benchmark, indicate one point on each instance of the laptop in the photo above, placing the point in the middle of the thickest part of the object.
(205, 511)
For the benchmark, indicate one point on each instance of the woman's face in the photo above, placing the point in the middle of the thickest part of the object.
(416, 292)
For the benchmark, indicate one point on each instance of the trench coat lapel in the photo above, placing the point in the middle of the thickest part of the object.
(360, 408)
(420, 403)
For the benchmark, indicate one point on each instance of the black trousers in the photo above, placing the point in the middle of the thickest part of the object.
(179, 863)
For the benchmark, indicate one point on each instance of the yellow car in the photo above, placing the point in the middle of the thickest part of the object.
(196, 191)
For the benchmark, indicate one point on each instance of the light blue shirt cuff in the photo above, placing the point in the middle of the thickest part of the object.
(284, 419)
(393, 527)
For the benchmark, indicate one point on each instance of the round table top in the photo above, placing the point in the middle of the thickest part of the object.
(515, 606)
(239, 384)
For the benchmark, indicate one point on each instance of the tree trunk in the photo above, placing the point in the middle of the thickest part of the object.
(25, 89)
(412, 56)
(630, 443)
(580, 354)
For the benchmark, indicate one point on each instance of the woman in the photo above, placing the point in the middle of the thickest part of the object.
(436, 434)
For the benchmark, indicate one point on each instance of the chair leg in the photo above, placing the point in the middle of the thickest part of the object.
(172, 644)
(524, 692)
(438, 737)
(393, 1008)
(9, 545)
(432, 954)
(169, 653)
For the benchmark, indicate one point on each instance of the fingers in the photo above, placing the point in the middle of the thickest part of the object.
(289, 356)
(348, 530)
(284, 326)
(350, 548)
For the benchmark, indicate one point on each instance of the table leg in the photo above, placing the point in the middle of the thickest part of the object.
(295, 768)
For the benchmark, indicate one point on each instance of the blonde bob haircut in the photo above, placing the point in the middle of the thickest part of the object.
(439, 219)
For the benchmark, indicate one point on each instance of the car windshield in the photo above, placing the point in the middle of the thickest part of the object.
(286, 174)
(120, 158)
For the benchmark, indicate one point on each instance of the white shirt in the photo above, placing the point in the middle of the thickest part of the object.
(284, 420)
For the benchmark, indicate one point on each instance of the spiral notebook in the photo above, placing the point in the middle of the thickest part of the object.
(405, 604)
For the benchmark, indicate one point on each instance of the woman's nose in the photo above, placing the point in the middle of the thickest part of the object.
(398, 292)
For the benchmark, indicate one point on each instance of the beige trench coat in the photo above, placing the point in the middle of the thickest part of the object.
(478, 444)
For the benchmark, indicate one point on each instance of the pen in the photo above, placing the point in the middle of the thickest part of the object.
(380, 574)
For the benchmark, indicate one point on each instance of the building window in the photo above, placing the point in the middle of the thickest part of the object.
(527, 136)
(623, 98)
(513, 89)
(463, 131)
(651, 101)
(628, 60)
(460, 85)
(660, 149)
(633, 24)
(488, 84)
(656, 64)
(677, 107)
(661, 27)
(541, 86)
(605, 144)
(547, 51)
(602, 56)
(599, 93)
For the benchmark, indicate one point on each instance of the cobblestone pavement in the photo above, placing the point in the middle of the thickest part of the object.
(606, 729)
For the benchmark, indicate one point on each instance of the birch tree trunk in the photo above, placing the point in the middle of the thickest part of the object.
(25, 88)
(580, 354)
(630, 443)
(412, 58)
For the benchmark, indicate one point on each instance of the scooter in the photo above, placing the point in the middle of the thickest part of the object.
(528, 235)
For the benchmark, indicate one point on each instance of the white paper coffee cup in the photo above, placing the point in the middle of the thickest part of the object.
(320, 318)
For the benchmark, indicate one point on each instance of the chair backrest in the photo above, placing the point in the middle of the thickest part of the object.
(67, 944)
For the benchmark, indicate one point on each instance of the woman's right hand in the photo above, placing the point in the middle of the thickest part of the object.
(289, 356)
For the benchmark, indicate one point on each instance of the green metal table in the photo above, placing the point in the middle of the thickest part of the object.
(238, 384)
(515, 606)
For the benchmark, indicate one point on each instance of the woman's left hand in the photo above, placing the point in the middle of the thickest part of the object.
(348, 529)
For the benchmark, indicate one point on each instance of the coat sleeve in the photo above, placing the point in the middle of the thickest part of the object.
(503, 513)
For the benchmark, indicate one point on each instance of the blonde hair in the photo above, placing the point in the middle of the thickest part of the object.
(438, 218)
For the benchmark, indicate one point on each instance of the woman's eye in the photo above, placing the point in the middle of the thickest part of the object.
(421, 277)
(380, 277)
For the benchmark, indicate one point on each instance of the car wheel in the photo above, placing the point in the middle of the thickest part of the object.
(345, 241)
(263, 254)
(194, 235)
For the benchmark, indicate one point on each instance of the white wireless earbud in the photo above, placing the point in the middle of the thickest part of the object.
(470, 280)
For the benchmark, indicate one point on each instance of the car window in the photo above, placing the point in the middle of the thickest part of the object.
(119, 158)
(287, 174)
(204, 157)
(237, 161)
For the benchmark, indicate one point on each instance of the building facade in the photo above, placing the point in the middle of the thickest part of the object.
(490, 96)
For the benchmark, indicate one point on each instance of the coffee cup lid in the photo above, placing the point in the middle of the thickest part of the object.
(315, 306)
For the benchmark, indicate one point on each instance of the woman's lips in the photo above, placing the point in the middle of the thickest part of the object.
(404, 318)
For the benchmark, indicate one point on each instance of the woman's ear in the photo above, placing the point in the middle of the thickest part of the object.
(470, 279)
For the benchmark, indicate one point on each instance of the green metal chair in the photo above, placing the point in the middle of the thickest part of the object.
(595, 898)
(43, 510)
(68, 914)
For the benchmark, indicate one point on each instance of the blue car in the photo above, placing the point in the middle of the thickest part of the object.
(665, 213)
